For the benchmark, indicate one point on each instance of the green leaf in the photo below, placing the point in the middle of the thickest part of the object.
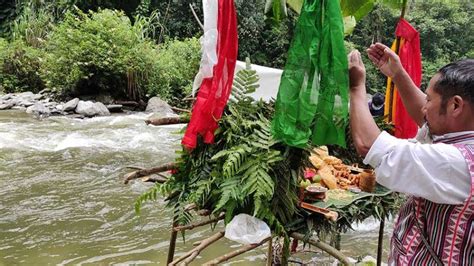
(349, 25)
(356, 8)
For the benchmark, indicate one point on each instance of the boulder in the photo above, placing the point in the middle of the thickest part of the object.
(26, 94)
(6, 105)
(38, 109)
(6, 97)
(37, 97)
(71, 105)
(25, 103)
(21, 108)
(90, 109)
(103, 111)
(115, 108)
(159, 107)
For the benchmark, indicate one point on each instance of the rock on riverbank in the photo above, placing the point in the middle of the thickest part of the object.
(42, 105)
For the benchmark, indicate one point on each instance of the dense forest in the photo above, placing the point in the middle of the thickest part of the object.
(137, 49)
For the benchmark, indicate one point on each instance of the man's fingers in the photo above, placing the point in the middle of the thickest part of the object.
(375, 52)
(380, 46)
(374, 59)
(390, 54)
(354, 57)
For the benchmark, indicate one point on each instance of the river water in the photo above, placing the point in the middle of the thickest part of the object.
(63, 200)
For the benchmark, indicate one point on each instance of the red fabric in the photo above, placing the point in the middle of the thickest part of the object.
(410, 57)
(214, 92)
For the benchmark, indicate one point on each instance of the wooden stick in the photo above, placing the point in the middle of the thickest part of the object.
(330, 215)
(154, 179)
(323, 246)
(270, 253)
(145, 172)
(190, 207)
(167, 121)
(172, 247)
(193, 253)
(235, 253)
(380, 243)
(192, 226)
(203, 212)
(180, 110)
(189, 99)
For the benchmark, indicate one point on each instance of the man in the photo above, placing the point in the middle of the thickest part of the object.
(376, 104)
(435, 226)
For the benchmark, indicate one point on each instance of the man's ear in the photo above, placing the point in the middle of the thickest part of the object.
(457, 105)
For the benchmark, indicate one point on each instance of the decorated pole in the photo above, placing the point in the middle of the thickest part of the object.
(397, 49)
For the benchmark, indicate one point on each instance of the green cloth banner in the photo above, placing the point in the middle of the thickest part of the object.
(312, 99)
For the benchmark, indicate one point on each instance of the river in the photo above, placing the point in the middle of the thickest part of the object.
(63, 200)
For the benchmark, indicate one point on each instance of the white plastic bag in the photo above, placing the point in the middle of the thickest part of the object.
(246, 229)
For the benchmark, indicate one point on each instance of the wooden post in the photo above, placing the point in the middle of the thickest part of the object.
(174, 235)
(380, 243)
(270, 253)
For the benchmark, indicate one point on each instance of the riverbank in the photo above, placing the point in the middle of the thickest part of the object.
(42, 105)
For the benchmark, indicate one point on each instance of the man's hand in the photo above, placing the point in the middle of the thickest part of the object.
(356, 71)
(386, 60)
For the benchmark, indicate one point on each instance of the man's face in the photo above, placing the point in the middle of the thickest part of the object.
(435, 114)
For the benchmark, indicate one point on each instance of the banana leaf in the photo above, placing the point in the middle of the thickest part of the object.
(346, 198)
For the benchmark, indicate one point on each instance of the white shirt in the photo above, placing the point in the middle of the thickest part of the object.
(437, 172)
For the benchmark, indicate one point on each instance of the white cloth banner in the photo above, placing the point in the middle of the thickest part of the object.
(208, 43)
(269, 81)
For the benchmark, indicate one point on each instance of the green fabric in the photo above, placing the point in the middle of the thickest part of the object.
(313, 94)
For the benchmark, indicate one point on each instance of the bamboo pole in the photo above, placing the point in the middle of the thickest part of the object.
(380, 243)
(235, 253)
(172, 247)
(193, 253)
(323, 246)
(270, 253)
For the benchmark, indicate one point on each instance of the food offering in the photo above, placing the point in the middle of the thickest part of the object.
(328, 173)
(329, 183)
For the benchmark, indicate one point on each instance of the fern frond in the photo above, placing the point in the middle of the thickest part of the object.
(150, 195)
(230, 194)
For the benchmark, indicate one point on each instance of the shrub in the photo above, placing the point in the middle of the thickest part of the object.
(33, 24)
(177, 64)
(19, 67)
(99, 53)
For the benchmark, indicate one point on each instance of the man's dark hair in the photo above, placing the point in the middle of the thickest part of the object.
(456, 79)
(378, 99)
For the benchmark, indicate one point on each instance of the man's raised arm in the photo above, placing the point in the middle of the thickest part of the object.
(389, 64)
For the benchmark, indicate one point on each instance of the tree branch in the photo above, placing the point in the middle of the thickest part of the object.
(193, 253)
(167, 121)
(192, 226)
(323, 246)
(145, 172)
(155, 179)
(176, 109)
(196, 17)
(235, 253)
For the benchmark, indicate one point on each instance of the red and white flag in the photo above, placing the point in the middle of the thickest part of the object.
(215, 86)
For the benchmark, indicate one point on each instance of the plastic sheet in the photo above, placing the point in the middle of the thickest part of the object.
(246, 229)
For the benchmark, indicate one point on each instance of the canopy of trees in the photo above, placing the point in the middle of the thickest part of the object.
(34, 44)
